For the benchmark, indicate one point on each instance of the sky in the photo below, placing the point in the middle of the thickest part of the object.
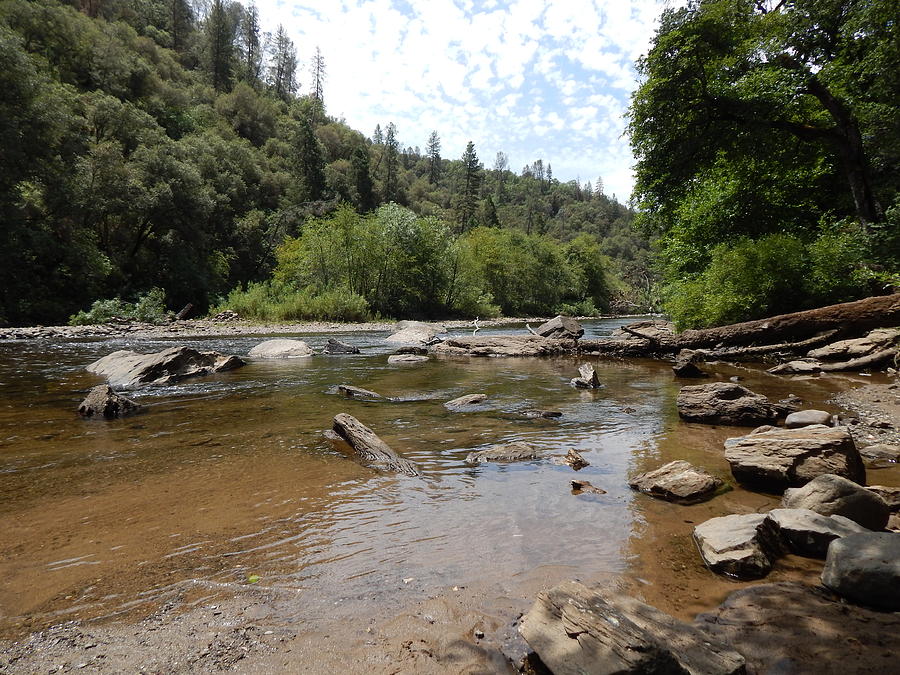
(536, 79)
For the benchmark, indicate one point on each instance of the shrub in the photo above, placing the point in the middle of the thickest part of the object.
(149, 308)
(275, 301)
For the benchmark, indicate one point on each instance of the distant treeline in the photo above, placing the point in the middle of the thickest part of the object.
(158, 144)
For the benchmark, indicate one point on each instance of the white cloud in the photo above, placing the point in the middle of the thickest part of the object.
(543, 79)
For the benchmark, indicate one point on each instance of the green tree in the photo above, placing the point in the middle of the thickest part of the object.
(282, 75)
(317, 73)
(433, 152)
(220, 54)
(309, 162)
(471, 184)
(391, 161)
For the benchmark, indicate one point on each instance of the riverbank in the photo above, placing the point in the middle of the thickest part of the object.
(193, 328)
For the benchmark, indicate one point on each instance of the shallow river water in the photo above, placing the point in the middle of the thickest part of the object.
(227, 481)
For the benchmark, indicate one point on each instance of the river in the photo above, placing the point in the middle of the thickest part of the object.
(227, 483)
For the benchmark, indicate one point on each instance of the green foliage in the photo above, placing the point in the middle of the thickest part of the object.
(274, 301)
(149, 308)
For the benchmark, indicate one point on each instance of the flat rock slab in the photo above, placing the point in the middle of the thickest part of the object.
(127, 369)
(846, 350)
(726, 403)
(358, 392)
(677, 481)
(561, 327)
(791, 629)
(505, 345)
(281, 348)
(401, 359)
(806, 418)
(103, 402)
(464, 401)
(780, 458)
(506, 452)
(580, 631)
(834, 495)
(865, 568)
(741, 546)
(808, 533)
(338, 347)
(369, 446)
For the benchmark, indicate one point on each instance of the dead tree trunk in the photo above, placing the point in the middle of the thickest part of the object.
(369, 446)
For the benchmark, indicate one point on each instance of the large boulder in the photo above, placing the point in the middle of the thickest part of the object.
(846, 350)
(726, 403)
(102, 401)
(866, 569)
(807, 418)
(788, 628)
(808, 533)
(579, 631)
(127, 369)
(561, 328)
(280, 348)
(742, 546)
(835, 495)
(782, 458)
(415, 333)
(677, 481)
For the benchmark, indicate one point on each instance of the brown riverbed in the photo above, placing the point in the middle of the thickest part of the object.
(220, 528)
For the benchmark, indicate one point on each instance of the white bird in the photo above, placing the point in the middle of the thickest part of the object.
(477, 327)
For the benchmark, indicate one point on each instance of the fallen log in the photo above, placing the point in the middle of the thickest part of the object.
(369, 446)
(846, 318)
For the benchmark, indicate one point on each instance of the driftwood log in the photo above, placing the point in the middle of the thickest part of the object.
(369, 446)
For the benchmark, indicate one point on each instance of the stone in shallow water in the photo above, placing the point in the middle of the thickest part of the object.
(866, 569)
(507, 452)
(677, 481)
(805, 418)
(781, 458)
(588, 379)
(463, 401)
(834, 495)
(129, 369)
(726, 403)
(338, 347)
(102, 401)
(358, 392)
(808, 533)
(561, 327)
(742, 546)
(281, 348)
(406, 358)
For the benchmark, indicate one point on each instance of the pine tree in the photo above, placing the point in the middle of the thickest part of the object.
(471, 185)
(251, 46)
(182, 19)
(391, 162)
(363, 180)
(378, 135)
(220, 46)
(283, 65)
(501, 166)
(309, 160)
(434, 157)
(317, 72)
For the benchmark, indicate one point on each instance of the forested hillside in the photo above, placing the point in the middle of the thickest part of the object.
(163, 144)
(768, 140)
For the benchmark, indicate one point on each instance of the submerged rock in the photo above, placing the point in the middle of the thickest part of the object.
(782, 458)
(504, 345)
(726, 403)
(742, 546)
(585, 487)
(281, 348)
(577, 630)
(102, 401)
(677, 481)
(829, 494)
(506, 452)
(866, 569)
(561, 327)
(808, 533)
(547, 414)
(789, 629)
(406, 358)
(338, 347)
(463, 401)
(129, 369)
